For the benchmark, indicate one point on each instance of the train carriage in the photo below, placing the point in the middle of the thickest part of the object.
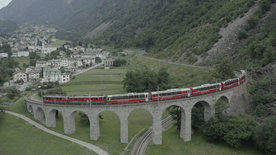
(127, 98)
(242, 77)
(170, 94)
(230, 83)
(86, 100)
(145, 97)
(55, 99)
(206, 89)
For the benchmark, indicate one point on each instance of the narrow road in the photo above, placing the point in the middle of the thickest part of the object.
(82, 143)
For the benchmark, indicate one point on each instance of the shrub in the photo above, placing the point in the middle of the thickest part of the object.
(242, 35)
(265, 136)
(231, 129)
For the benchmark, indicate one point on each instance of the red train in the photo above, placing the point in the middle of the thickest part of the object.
(148, 96)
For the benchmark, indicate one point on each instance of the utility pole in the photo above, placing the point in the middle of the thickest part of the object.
(89, 100)
(157, 94)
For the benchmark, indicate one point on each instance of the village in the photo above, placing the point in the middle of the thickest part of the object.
(51, 60)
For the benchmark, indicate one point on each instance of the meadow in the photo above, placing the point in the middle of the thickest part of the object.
(173, 144)
(109, 81)
(18, 137)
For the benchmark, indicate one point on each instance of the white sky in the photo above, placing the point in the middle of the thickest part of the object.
(4, 3)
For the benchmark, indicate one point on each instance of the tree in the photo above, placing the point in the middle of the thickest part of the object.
(265, 136)
(98, 60)
(119, 62)
(12, 93)
(1, 106)
(231, 129)
(224, 70)
(147, 80)
(1, 110)
(242, 35)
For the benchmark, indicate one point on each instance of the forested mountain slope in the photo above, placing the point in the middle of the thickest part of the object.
(174, 29)
(257, 54)
(7, 26)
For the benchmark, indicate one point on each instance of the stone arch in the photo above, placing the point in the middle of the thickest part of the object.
(209, 110)
(185, 122)
(30, 109)
(109, 124)
(51, 117)
(80, 118)
(39, 115)
(224, 99)
(139, 119)
(222, 106)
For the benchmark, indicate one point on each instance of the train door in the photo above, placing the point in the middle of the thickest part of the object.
(146, 97)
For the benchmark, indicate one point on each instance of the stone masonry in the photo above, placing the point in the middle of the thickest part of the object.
(45, 113)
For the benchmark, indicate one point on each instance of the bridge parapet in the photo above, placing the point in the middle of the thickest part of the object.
(46, 113)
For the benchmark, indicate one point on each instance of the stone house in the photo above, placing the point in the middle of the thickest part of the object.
(55, 75)
(19, 75)
(4, 55)
(108, 62)
(34, 76)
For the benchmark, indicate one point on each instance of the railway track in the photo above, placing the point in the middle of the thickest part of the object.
(30, 99)
(142, 142)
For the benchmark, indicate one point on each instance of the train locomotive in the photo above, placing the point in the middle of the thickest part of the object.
(146, 97)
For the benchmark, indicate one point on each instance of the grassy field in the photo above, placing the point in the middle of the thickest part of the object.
(103, 82)
(173, 144)
(109, 127)
(18, 137)
(180, 76)
(97, 82)
(58, 43)
(21, 61)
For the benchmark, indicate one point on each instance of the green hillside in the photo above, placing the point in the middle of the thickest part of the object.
(175, 29)
(168, 29)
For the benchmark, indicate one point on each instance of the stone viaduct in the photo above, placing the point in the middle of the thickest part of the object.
(45, 113)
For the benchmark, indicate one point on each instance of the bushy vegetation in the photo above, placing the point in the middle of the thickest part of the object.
(7, 67)
(234, 130)
(265, 136)
(176, 26)
(119, 62)
(1, 110)
(259, 49)
(224, 70)
(12, 93)
(6, 48)
(147, 80)
(55, 91)
(262, 94)
(264, 6)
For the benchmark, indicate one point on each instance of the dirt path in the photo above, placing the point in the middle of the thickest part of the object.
(82, 143)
